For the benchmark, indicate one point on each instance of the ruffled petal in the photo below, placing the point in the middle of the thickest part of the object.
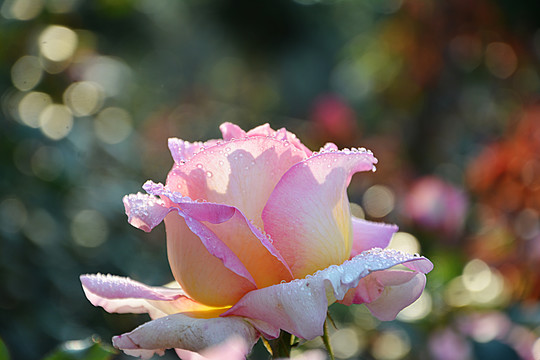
(231, 131)
(144, 211)
(182, 150)
(241, 173)
(121, 295)
(240, 245)
(308, 215)
(369, 234)
(397, 296)
(183, 332)
(299, 307)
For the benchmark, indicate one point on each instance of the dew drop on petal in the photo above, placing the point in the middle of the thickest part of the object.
(199, 166)
(209, 174)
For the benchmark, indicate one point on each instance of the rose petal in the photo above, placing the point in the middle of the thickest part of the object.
(203, 265)
(396, 297)
(144, 211)
(308, 215)
(183, 332)
(241, 173)
(182, 150)
(118, 294)
(372, 286)
(231, 131)
(238, 241)
(299, 307)
(235, 348)
(369, 234)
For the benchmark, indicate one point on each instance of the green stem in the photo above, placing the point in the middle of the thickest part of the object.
(281, 347)
(326, 341)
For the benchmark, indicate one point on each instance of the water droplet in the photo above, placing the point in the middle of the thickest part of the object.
(227, 149)
(209, 174)
(199, 166)
(220, 162)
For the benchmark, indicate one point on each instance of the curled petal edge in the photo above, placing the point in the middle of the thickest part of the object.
(299, 307)
(116, 294)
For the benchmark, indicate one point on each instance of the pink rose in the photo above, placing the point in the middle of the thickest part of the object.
(260, 239)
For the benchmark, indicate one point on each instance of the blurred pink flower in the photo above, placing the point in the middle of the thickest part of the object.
(436, 205)
(334, 118)
(260, 239)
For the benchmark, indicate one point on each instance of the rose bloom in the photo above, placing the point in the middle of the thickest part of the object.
(260, 238)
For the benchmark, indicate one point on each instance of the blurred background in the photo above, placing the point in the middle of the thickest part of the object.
(445, 93)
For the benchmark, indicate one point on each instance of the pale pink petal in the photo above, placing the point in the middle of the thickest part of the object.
(285, 135)
(241, 173)
(372, 286)
(369, 234)
(183, 332)
(239, 243)
(308, 215)
(118, 294)
(235, 348)
(144, 211)
(231, 131)
(299, 307)
(396, 297)
(329, 147)
(182, 150)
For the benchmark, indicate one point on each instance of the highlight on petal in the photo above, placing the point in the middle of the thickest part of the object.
(144, 211)
(183, 332)
(241, 173)
(299, 307)
(308, 215)
(369, 234)
(241, 247)
(182, 150)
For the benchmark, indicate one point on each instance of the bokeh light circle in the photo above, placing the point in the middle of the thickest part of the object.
(56, 121)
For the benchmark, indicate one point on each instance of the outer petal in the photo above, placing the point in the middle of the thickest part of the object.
(241, 247)
(183, 332)
(182, 150)
(235, 348)
(299, 307)
(396, 297)
(369, 234)
(241, 173)
(144, 211)
(308, 214)
(118, 294)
